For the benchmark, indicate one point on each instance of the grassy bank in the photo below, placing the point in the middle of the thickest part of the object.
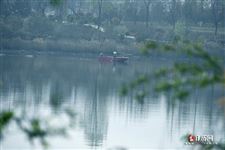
(38, 33)
(62, 45)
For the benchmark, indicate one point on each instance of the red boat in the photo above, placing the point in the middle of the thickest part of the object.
(112, 59)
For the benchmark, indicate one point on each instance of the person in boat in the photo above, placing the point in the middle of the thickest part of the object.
(114, 57)
(101, 54)
(114, 54)
(104, 58)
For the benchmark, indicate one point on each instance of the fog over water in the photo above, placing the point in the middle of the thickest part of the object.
(112, 74)
(103, 119)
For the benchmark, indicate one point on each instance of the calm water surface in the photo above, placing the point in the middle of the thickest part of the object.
(44, 87)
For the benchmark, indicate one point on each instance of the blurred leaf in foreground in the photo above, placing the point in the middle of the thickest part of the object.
(5, 118)
(55, 2)
(123, 90)
(202, 69)
(140, 96)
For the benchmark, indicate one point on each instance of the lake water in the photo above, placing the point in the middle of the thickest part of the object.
(45, 87)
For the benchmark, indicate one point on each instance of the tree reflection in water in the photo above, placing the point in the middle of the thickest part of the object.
(37, 128)
(52, 97)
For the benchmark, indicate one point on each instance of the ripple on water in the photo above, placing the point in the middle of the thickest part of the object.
(29, 56)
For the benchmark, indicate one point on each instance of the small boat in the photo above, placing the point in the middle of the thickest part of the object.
(105, 59)
(112, 59)
(121, 59)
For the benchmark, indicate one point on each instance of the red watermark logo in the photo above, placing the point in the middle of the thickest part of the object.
(200, 139)
(191, 138)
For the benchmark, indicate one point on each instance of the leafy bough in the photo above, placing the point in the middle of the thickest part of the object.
(199, 71)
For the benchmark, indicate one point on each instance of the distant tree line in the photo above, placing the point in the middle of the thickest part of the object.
(190, 12)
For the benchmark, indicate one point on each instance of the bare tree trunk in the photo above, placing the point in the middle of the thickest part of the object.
(214, 5)
(216, 27)
(64, 13)
(135, 7)
(147, 16)
(135, 18)
(223, 13)
(41, 7)
(173, 14)
(147, 4)
(202, 9)
(99, 13)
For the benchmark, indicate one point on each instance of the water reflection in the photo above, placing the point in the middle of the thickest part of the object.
(47, 85)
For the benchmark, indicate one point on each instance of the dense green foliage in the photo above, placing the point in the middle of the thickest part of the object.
(202, 12)
(65, 25)
(55, 2)
(198, 69)
(5, 118)
(35, 128)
